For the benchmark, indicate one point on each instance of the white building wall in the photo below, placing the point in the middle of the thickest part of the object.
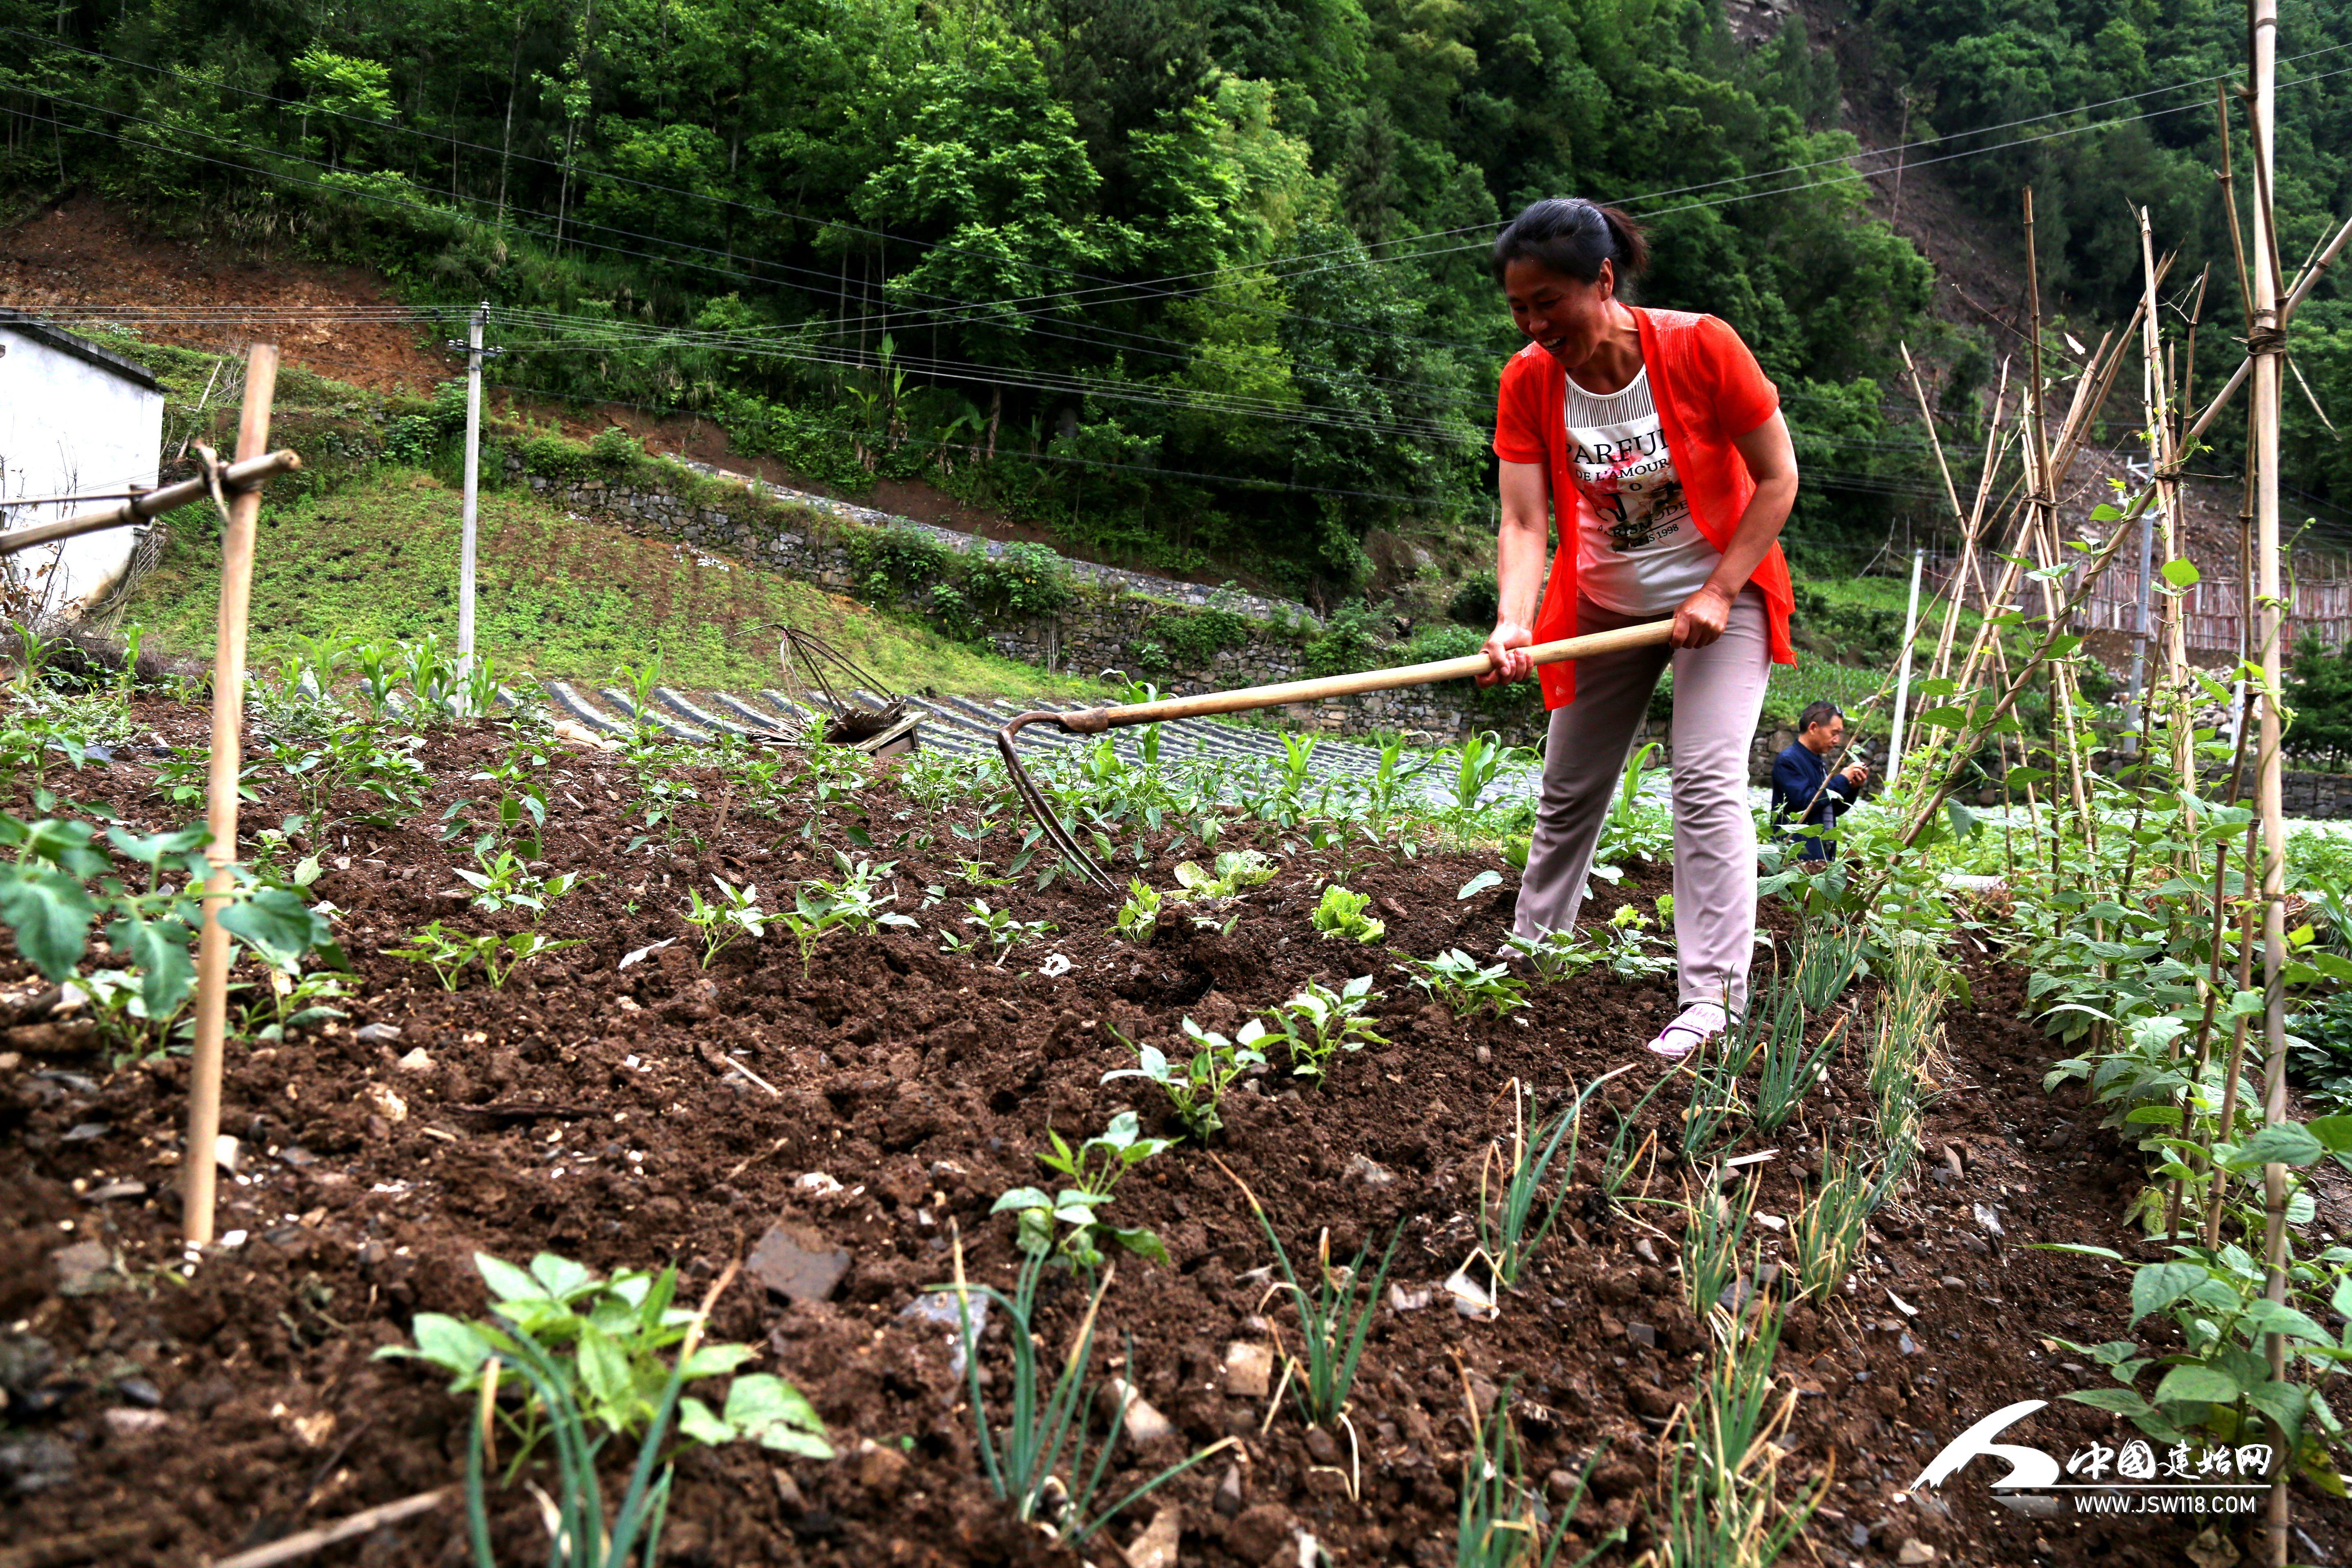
(70, 426)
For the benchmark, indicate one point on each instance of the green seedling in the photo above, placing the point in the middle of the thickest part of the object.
(1556, 955)
(1333, 1318)
(1139, 917)
(721, 921)
(1625, 943)
(1826, 1234)
(1320, 1022)
(294, 1002)
(614, 1354)
(1722, 1484)
(999, 932)
(1771, 1034)
(1092, 1169)
(1043, 1436)
(1712, 1235)
(505, 881)
(448, 953)
(1237, 871)
(854, 903)
(1515, 1178)
(981, 874)
(1465, 984)
(576, 1515)
(1196, 1084)
(1829, 962)
(1715, 1103)
(1341, 914)
(115, 1003)
(1500, 1520)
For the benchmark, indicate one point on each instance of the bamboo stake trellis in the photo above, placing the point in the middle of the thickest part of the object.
(198, 1168)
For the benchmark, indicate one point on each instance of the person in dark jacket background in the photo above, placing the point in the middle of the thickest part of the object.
(1799, 794)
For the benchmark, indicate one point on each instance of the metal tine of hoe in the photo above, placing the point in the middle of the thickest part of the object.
(1096, 720)
(1041, 809)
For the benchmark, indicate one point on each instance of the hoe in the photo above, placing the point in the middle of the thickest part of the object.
(1096, 720)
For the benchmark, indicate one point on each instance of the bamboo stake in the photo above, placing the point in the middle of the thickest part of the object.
(2164, 471)
(1971, 527)
(197, 1173)
(2175, 646)
(2090, 396)
(2265, 346)
(148, 504)
(366, 1521)
(2310, 275)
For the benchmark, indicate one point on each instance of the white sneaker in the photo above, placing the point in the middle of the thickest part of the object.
(1698, 1024)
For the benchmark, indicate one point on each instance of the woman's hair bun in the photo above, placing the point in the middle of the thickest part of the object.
(1572, 236)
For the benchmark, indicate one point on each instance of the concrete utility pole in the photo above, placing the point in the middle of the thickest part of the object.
(1903, 670)
(473, 486)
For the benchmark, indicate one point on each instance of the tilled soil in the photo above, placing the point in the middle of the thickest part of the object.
(167, 1413)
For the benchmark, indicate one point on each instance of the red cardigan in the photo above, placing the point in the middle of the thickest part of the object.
(1709, 390)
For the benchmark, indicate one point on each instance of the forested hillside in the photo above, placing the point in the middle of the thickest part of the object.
(1199, 284)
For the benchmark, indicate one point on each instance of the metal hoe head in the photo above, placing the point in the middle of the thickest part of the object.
(1085, 722)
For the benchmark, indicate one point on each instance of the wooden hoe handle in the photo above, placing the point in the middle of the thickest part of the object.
(1094, 720)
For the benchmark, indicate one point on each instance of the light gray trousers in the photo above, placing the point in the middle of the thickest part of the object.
(1719, 694)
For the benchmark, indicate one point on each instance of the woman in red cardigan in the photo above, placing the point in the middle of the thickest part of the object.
(1654, 440)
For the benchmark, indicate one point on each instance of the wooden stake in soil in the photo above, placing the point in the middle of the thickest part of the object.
(197, 1161)
(2266, 347)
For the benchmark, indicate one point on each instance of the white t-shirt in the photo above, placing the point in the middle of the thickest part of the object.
(1638, 550)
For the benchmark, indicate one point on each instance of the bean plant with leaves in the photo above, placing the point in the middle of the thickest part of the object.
(1320, 1022)
(1195, 1084)
(616, 1334)
(1466, 985)
(57, 884)
(449, 954)
(854, 903)
(1092, 1169)
(721, 921)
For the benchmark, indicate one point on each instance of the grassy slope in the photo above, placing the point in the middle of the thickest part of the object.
(565, 599)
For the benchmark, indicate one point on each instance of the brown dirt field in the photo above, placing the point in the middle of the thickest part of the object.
(593, 1111)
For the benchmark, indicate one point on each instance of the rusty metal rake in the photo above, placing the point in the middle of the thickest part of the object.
(1099, 720)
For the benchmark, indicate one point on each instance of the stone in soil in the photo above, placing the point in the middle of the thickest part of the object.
(1261, 1531)
(1228, 1500)
(1144, 1425)
(1249, 1370)
(796, 1263)
(35, 1462)
(1157, 1546)
(83, 1268)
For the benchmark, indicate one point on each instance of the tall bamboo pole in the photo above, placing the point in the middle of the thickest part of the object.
(465, 539)
(2264, 346)
(197, 1161)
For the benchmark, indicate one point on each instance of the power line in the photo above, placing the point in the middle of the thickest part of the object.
(766, 210)
(1146, 288)
(1816, 185)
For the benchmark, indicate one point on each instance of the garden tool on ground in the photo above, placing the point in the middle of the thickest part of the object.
(1096, 720)
(860, 714)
